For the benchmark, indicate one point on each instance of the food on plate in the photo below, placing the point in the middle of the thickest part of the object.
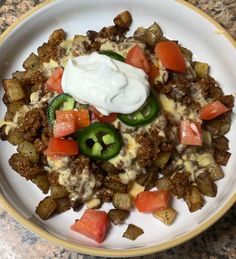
(106, 117)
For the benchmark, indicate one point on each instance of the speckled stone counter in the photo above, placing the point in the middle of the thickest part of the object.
(219, 241)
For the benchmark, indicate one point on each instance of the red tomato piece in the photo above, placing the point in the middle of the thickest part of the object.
(137, 58)
(82, 118)
(190, 133)
(171, 56)
(93, 224)
(65, 147)
(153, 73)
(103, 118)
(212, 110)
(63, 129)
(54, 81)
(79, 118)
(148, 201)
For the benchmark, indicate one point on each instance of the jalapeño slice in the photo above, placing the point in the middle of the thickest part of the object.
(64, 102)
(113, 55)
(99, 141)
(144, 115)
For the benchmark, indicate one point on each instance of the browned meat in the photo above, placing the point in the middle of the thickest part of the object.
(53, 178)
(105, 194)
(24, 167)
(47, 52)
(180, 182)
(79, 164)
(31, 125)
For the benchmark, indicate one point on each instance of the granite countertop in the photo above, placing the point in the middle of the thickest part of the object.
(219, 241)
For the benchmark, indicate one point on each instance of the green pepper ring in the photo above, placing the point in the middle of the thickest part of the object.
(112, 55)
(145, 119)
(89, 133)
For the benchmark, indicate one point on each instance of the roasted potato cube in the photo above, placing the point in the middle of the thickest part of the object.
(115, 186)
(12, 109)
(118, 216)
(57, 37)
(122, 201)
(93, 203)
(46, 208)
(215, 172)
(32, 62)
(3, 135)
(63, 205)
(167, 216)
(28, 150)
(193, 198)
(132, 232)
(19, 75)
(163, 158)
(13, 90)
(58, 192)
(136, 189)
(164, 183)
(123, 20)
(42, 182)
(153, 34)
(201, 69)
(222, 157)
(14, 136)
(205, 185)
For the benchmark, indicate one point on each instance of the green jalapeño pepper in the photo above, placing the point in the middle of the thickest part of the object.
(143, 115)
(112, 55)
(64, 102)
(99, 141)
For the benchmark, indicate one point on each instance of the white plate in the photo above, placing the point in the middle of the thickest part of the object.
(208, 43)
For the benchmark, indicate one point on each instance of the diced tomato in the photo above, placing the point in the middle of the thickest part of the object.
(103, 118)
(212, 110)
(93, 224)
(153, 73)
(65, 147)
(67, 122)
(148, 201)
(190, 133)
(136, 57)
(171, 56)
(54, 82)
(82, 118)
(63, 129)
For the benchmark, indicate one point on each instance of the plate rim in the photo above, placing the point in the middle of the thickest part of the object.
(95, 251)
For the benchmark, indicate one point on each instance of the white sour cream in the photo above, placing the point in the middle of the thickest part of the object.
(108, 84)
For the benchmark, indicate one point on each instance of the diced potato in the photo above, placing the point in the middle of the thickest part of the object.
(53, 178)
(118, 216)
(205, 159)
(201, 69)
(167, 216)
(46, 208)
(20, 76)
(58, 192)
(205, 185)
(63, 205)
(28, 150)
(215, 172)
(162, 159)
(122, 201)
(14, 136)
(123, 20)
(136, 189)
(132, 232)
(164, 183)
(32, 62)
(12, 109)
(93, 203)
(13, 90)
(42, 182)
(193, 198)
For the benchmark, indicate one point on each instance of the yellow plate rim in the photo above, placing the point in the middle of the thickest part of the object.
(80, 248)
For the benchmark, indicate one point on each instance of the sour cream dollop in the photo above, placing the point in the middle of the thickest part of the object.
(107, 84)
